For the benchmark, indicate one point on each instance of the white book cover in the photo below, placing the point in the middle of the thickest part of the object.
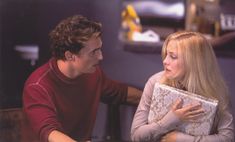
(164, 96)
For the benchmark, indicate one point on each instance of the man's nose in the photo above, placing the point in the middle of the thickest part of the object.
(100, 55)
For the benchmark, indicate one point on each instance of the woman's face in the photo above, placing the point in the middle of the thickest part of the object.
(173, 62)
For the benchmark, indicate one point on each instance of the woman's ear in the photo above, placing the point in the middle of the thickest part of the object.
(68, 56)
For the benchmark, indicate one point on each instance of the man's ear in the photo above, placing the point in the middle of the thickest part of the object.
(69, 56)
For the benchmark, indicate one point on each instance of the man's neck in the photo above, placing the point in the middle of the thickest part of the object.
(67, 69)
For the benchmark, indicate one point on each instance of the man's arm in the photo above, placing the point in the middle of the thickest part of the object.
(133, 96)
(57, 136)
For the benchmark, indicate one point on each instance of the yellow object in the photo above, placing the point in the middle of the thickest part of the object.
(130, 21)
(129, 12)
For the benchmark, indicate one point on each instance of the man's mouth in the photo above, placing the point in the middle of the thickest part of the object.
(96, 65)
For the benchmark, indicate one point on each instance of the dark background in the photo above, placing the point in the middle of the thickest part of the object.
(26, 22)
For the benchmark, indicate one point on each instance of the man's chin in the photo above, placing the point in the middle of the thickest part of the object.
(92, 70)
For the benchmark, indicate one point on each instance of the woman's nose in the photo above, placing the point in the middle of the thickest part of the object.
(165, 61)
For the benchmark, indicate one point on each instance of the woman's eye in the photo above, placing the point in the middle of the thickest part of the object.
(173, 57)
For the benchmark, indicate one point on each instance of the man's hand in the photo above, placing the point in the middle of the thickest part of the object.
(133, 96)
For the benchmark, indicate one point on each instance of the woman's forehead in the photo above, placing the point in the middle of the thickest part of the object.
(172, 46)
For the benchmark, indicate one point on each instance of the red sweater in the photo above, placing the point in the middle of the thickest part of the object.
(54, 102)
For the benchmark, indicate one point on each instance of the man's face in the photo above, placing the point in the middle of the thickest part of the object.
(89, 56)
(173, 62)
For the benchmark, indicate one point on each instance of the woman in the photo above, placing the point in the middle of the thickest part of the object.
(189, 64)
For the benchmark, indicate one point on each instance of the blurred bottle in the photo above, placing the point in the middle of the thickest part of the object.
(130, 22)
(204, 16)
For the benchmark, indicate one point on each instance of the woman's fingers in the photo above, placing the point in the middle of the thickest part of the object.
(195, 118)
(189, 112)
(178, 104)
(191, 107)
(196, 112)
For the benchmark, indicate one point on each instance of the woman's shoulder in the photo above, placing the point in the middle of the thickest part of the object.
(156, 77)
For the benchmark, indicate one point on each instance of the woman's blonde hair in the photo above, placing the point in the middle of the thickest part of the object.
(202, 74)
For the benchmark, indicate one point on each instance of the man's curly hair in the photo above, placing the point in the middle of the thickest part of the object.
(71, 34)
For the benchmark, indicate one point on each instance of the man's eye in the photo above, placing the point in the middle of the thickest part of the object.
(93, 52)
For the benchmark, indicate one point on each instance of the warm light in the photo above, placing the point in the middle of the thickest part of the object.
(210, 0)
(159, 8)
(28, 52)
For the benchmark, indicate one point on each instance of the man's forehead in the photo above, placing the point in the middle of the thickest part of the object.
(92, 44)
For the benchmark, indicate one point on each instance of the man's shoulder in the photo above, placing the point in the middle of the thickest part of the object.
(39, 73)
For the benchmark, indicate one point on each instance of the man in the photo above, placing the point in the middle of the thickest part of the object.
(61, 97)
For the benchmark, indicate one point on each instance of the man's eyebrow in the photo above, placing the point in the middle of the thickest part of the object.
(97, 49)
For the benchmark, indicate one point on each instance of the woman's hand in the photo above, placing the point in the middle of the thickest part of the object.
(169, 137)
(189, 112)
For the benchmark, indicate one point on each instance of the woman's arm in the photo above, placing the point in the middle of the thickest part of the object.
(142, 130)
(225, 129)
(225, 132)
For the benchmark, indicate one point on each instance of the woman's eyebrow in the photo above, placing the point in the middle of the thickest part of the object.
(171, 52)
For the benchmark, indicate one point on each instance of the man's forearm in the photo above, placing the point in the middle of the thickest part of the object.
(57, 136)
(133, 96)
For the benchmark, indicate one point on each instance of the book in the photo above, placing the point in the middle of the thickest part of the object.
(164, 96)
